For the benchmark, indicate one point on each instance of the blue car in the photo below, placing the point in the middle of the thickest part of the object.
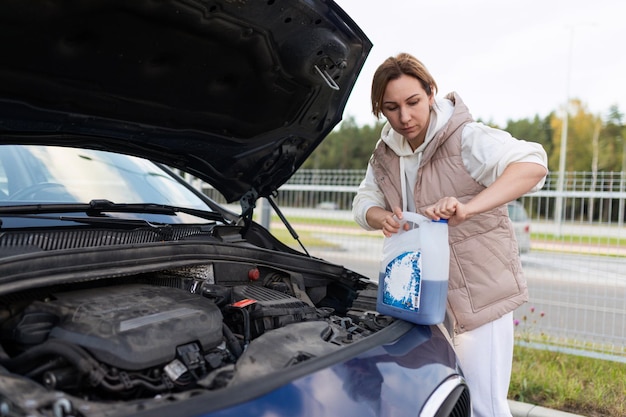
(125, 291)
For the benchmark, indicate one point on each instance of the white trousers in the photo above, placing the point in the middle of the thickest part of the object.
(486, 356)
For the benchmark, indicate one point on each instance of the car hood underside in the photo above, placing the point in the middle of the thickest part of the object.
(235, 93)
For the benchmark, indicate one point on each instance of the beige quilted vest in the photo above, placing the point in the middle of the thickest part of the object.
(486, 279)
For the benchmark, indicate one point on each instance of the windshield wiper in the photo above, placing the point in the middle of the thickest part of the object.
(97, 208)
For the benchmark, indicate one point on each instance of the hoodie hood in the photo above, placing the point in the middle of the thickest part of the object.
(236, 93)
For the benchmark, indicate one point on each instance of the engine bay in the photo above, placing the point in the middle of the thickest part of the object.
(175, 332)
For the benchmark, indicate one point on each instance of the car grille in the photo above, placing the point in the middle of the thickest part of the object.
(450, 399)
(462, 406)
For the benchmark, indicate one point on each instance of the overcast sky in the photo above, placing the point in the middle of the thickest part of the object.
(507, 59)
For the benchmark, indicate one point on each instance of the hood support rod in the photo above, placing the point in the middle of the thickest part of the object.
(286, 223)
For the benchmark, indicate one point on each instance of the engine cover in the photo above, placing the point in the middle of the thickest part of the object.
(133, 327)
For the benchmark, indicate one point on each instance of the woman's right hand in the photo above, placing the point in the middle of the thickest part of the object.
(387, 221)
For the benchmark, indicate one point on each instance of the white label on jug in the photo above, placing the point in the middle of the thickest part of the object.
(402, 281)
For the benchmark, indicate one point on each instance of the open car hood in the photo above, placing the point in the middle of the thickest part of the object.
(237, 93)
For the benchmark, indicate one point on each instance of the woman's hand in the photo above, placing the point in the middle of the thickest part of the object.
(517, 179)
(448, 208)
(391, 222)
(388, 222)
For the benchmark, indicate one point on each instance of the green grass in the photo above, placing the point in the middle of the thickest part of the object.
(306, 237)
(576, 384)
(593, 240)
(318, 221)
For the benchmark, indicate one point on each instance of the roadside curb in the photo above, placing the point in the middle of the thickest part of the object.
(528, 410)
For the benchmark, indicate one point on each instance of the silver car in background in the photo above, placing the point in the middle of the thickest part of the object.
(521, 224)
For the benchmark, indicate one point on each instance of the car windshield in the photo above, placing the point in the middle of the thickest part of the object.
(48, 174)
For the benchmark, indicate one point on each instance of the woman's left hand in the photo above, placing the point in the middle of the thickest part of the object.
(448, 208)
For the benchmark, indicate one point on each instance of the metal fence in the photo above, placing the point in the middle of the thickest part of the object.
(576, 268)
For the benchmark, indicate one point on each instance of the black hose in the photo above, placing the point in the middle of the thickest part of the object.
(246, 327)
(46, 366)
(134, 383)
(231, 341)
(26, 361)
(246, 323)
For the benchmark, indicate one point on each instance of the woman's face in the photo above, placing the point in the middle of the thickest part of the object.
(406, 105)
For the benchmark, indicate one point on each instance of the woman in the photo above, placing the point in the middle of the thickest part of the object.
(433, 159)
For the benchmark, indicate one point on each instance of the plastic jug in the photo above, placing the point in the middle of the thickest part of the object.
(413, 277)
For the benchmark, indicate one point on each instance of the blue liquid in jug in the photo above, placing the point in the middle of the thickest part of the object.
(403, 293)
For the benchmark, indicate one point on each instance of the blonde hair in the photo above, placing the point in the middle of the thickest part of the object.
(391, 69)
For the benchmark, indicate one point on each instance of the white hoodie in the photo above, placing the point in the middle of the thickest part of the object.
(486, 152)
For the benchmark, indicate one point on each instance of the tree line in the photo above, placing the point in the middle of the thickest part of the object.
(594, 143)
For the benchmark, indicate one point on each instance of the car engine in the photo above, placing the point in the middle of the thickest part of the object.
(171, 331)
